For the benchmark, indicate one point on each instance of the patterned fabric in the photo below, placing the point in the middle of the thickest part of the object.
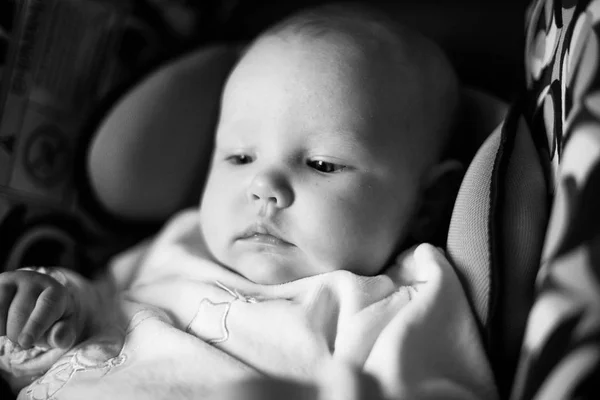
(560, 357)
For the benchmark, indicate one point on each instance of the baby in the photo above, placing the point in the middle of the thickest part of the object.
(328, 162)
(330, 136)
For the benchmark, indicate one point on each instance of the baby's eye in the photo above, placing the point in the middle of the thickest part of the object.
(324, 166)
(239, 159)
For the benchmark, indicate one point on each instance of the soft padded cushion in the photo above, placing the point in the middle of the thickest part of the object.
(520, 222)
(150, 153)
(495, 237)
(468, 243)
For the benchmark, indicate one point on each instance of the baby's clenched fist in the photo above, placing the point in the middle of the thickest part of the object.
(36, 309)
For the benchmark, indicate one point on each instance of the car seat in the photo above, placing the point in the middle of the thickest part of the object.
(512, 184)
(528, 255)
(524, 234)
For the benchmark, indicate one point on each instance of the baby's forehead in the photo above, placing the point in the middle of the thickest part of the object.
(348, 63)
(363, 94)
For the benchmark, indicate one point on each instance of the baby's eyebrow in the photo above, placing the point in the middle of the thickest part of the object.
(347, 139)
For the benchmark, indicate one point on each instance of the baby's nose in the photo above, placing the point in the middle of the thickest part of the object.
(270, 190)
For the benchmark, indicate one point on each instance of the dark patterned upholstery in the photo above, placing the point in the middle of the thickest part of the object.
(560, 357)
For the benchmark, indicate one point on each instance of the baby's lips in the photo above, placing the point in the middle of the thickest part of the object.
(61, 335)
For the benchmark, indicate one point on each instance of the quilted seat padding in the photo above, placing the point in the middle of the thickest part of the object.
(496, 235)
(468, 244)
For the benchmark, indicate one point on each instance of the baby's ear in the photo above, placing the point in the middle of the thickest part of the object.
(436, 203)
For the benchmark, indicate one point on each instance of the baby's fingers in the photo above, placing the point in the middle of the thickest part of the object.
(49, 307)
(7, 292)
(20, 309)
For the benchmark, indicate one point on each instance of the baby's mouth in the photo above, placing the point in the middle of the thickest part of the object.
(263, 234)
(266, 239)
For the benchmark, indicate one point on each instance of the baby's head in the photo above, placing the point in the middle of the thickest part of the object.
(331, 132)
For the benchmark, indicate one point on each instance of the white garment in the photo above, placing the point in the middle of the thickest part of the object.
(186, 325)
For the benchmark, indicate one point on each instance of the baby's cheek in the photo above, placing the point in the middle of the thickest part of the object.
(212, 225)
(334, 236)
(369, 234)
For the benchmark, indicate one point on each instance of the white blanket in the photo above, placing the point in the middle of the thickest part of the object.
(182, 326)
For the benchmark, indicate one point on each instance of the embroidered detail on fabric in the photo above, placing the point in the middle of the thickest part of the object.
(13, 354)
(91, 358)
(224, 329)
(60, 374)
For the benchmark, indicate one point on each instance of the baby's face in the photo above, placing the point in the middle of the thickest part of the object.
(307, 176)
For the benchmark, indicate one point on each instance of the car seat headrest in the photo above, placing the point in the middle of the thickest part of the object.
(150, 152)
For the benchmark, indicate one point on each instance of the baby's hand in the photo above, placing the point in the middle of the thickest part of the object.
(36, 309)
